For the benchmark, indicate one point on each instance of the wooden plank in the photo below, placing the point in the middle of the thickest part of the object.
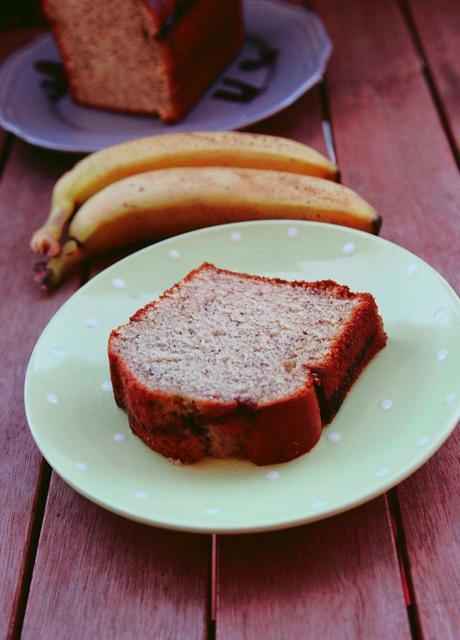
(332, 579)
(437, 29)
(392, 148)
(100, 576)
(24, 200)
(390, 145)
(430, 512)
(301, 120)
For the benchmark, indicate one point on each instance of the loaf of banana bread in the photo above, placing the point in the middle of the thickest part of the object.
(144, 56)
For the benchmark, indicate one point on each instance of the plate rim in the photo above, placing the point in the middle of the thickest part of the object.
(10, 69)
(385, 484)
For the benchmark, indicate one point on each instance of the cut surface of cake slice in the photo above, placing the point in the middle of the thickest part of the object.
(226, 364)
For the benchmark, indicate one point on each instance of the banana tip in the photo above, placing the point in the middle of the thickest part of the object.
(376, 224)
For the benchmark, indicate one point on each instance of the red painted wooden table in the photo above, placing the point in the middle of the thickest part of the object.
(389, 569)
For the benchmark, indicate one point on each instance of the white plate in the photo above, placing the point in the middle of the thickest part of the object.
(297, 35)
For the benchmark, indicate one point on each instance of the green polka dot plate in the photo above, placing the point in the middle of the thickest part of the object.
(398, 413)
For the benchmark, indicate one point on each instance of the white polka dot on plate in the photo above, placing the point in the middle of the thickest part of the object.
(90, 322)
(293, 232)
(382, 473)
(349, 248)
(82, 466)
(422, 441)
(272, 475)
(57, 352)
(334, 436)
(450, 397)
(235, 237)
(174, 254)
(140, 494)
(440, 313)
(412, 269)
(119, 437)
(52, 398)
(118, 283)
(386, 404)
(106, 385)
(442, 354)
(212, 511)
(318, 504)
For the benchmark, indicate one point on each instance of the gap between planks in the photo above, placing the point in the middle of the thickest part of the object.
(328, 129)
(213, 581)
(399, 537)
(5, 148)
(429, 78)
(33, 538)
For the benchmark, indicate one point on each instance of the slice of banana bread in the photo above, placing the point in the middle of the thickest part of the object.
(227, 364)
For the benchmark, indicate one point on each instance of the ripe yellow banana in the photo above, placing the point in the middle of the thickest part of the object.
(162, 203)
(215, 148)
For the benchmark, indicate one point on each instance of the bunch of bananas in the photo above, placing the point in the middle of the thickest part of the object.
(152, 188)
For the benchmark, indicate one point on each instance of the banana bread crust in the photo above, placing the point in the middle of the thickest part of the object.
(187, 430)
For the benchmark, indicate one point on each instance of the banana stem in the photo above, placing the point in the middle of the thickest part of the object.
(46, 239)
